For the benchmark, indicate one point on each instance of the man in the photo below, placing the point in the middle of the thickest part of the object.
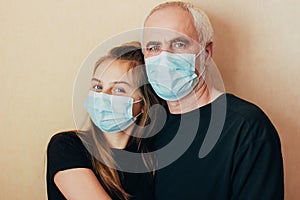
(231, 149)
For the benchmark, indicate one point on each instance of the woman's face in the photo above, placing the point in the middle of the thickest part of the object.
(113, 77)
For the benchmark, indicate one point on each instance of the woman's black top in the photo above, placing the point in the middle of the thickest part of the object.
(66, 151)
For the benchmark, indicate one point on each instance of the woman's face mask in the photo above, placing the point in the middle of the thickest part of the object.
(110, 113)
(110, 103)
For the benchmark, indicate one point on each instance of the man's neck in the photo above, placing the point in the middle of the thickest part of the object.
(200, 96)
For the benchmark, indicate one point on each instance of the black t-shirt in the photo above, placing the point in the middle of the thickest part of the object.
(245, 162)
(66, 151)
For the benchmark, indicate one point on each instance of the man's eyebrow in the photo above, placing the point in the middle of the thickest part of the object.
(152, 43)
(180, 39)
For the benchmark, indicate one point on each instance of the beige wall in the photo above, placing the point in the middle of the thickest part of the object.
(43, 43)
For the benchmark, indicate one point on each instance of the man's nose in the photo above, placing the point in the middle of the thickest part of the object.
(166, 48)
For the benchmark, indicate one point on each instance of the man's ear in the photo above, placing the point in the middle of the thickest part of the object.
(209, 50)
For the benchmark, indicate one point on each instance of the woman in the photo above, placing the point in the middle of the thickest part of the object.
(79, 164)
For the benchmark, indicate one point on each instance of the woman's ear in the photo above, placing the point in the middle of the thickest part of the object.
(142, 104)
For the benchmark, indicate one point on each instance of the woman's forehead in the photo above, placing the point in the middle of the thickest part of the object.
(114, 70)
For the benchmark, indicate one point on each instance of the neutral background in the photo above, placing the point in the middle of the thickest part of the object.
(43, 43)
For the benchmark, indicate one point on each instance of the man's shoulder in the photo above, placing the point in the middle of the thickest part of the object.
(249, 120)
(244, 108)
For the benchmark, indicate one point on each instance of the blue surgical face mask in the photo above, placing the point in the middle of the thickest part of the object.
(171, 75)
(110, 113)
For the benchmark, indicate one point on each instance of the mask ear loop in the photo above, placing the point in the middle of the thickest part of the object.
(137, 116)
(137, 101)
(201, 51)
(201, 75)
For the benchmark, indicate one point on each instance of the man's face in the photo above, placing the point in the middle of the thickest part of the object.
(170, 29)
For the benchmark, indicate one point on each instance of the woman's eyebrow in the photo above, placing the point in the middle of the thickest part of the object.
(97, 80)
(114, 82)
(121, 82)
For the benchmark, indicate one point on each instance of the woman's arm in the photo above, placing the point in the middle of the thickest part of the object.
(80, 184)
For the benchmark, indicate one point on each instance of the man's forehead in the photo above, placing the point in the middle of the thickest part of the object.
(163, 35)
(174, 19)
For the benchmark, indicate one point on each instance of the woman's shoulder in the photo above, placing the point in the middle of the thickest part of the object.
(64, 139)
(61, 137)
(65, 151)
(65, 142)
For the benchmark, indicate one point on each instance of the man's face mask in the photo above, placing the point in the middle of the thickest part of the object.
(110, 113)
(171, 75)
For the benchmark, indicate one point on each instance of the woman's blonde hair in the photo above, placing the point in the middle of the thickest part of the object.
(96, 143)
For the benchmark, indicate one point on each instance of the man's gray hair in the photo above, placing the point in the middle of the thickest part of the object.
(201, 21)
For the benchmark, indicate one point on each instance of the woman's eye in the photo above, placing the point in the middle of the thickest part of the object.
(118, 90)
(97, 88)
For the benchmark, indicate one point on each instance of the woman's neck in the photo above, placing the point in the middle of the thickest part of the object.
(117, 140)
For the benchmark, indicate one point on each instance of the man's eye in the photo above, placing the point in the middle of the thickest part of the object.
(153, 48)
(178, 45)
